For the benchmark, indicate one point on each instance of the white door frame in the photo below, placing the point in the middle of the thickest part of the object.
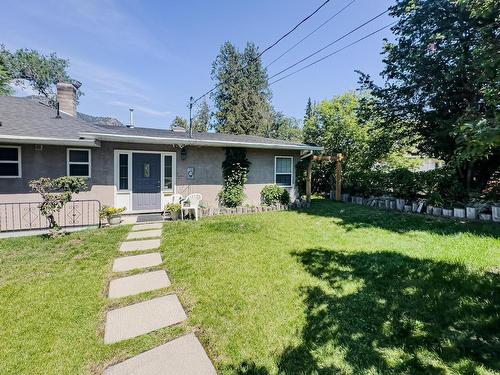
(123, 198)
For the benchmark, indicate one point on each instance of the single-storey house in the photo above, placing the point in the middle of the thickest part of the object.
(128, 166)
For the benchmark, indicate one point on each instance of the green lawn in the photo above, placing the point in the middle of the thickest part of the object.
(333, 289)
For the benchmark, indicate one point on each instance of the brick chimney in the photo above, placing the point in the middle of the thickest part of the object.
(66, 96)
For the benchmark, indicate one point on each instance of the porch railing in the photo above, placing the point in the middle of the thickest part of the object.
(18, 216)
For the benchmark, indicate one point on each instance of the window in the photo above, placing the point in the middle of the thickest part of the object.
(283, 170)
(123, 172)
(10, 161)
(167, 175)
(78, 162)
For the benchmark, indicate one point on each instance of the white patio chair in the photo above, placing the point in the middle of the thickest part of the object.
(192, 202)
(176, 198)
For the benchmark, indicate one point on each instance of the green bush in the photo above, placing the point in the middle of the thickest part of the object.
(232, 195)
(235, 173)
(272, 194)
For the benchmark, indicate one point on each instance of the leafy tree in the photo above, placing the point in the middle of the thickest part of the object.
(201, 120)
(55, 194)
(5, 78)
(442, 81)
(41, 72)
(242, 95)
(285, 128)
(179, 122)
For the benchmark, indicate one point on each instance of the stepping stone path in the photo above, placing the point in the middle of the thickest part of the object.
(143, 282)
(144, 234)
(140, 245)
(184, 355)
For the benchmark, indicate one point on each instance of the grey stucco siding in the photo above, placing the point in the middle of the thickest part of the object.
(50, 161)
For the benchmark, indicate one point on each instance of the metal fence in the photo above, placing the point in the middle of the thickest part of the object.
(27, 216)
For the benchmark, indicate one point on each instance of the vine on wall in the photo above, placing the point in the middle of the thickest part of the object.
(235, 170)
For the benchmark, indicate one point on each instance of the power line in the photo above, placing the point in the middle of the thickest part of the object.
(330, 44)
(193, 101)
(311, 33)
(333, 53)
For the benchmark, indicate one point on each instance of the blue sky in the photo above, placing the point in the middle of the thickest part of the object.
(153, 55)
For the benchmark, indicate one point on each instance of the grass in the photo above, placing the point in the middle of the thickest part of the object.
(332, 289)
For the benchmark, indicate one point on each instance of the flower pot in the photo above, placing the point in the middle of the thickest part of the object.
(459, 212)
(471, 213)
(437, 211)
(495, 213)
(115, 219)
(174, 215)
(448, 212)
(485, 217)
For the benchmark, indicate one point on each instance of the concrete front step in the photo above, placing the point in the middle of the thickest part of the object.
(182, 356)
(139, 227)
(141, 318)
(136, 261)
(144, 234)
(143, 282)
(140, 245)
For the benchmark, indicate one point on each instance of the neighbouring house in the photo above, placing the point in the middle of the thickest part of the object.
(127, 166)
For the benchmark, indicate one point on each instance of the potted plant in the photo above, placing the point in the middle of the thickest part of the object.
(174, 209)
(112, 214)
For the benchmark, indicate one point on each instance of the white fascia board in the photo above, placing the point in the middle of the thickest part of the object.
(197, 142)
(49, 141)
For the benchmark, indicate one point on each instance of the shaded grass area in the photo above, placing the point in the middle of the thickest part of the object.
(53, 304)
(340, 289)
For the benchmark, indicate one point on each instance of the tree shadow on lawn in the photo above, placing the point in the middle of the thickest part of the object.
(355, 216)
(388, 313)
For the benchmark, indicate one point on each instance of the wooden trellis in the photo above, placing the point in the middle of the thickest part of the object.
(338, 174)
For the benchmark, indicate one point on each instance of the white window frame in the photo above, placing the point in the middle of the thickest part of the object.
(89, 163)
(291, 170)
(18, 161)
(162, 164)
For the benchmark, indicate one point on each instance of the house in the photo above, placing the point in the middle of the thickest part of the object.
(126, 166)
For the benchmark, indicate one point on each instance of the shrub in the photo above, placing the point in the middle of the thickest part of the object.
(55, 194)
(272, 194)
(492, 189)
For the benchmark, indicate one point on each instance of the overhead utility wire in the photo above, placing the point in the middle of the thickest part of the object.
(193, 101)
(330, 44)
(311, 33)
(333, 53)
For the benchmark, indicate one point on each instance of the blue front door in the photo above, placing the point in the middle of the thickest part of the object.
(146, 182)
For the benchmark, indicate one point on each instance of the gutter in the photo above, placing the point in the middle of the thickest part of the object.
(19, 139)
(196, 142)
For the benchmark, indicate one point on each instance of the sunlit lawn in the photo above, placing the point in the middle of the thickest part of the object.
(332, 289)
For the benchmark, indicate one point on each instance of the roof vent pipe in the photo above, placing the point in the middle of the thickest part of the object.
(58, 114)
(131, 124)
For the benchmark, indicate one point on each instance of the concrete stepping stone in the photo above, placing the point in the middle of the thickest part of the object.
(144, 282)
(140, 245)
(144, 234)
(184, 355)
(141, 318)
(136, 261)
(147, 226)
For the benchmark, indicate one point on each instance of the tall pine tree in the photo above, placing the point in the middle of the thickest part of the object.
(242, 98)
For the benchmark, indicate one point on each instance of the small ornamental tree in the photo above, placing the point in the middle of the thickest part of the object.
(56, 193)
(235, 173)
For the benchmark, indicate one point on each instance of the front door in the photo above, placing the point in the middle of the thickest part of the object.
(146, 184)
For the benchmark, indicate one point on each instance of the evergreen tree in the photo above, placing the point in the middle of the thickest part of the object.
(179, 122)
(242, 98)
(201, 120)
(309, 110)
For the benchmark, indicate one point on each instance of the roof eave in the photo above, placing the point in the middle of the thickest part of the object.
(16, 139)
(197, 142)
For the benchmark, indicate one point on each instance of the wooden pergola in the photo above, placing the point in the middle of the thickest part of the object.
(338, 174)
